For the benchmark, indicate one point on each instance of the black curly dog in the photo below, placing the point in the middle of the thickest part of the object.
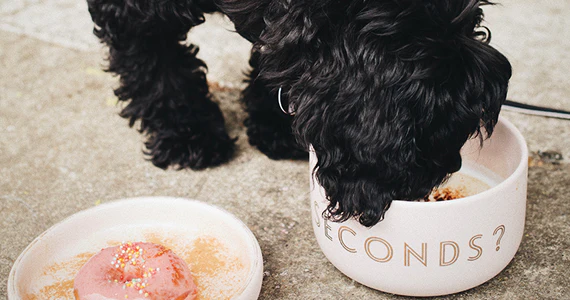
(385, 91)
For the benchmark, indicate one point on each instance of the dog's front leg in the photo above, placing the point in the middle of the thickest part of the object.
(268, 127)
(163, 79)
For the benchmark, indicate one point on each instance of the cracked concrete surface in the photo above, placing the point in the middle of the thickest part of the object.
(63, 148)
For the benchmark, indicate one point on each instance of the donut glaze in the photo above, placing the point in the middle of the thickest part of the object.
(135, 271)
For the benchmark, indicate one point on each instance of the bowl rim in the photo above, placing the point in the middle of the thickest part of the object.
(12, 289)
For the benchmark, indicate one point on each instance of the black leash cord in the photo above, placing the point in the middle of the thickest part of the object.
(536, 110)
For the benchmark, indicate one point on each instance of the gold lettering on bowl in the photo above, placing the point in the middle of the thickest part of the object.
(421, 258)
(341, 240)
(442, 247)
(475, 247)
(316, 210)
(389, 250)
(327, 229)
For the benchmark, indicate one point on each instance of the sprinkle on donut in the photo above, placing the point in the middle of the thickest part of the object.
(129, 257)
(135, 271)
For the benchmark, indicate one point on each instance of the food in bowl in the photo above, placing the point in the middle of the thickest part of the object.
(471, 180)
(136, 270)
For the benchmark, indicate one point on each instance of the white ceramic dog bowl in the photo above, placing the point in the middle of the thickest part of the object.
(222, 253)
(437, 248)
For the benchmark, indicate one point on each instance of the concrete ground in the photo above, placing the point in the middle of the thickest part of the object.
(63, 148)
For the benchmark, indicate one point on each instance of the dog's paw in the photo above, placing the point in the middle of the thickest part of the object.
(274, 138)
(195, 151)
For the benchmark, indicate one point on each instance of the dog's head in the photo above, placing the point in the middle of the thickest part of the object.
(387, 92)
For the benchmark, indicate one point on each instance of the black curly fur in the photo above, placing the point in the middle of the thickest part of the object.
(386, 91)
(268, 128)
(163, 79)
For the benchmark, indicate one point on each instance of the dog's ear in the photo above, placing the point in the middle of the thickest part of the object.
(387, 94)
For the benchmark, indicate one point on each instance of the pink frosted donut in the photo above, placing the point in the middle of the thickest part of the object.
(135, 271)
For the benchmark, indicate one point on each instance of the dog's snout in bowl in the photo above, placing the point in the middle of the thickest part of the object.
(438, 248)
